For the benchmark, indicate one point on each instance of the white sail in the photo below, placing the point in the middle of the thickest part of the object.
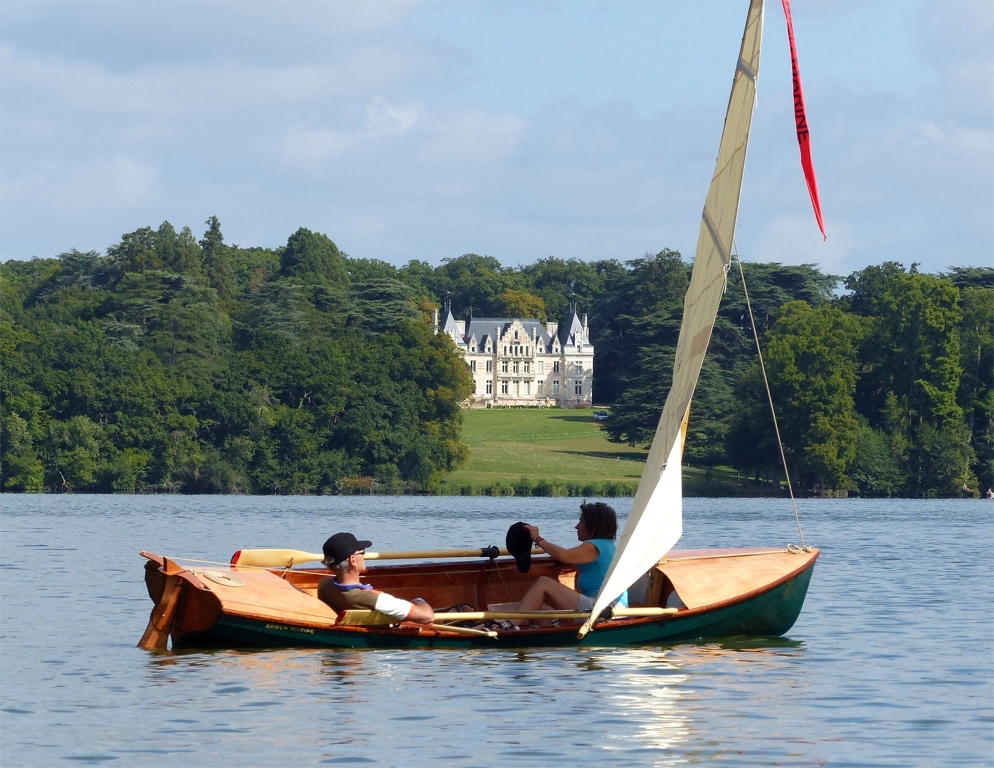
(656, 519)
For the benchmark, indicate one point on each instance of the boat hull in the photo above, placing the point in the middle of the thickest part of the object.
(766, 612)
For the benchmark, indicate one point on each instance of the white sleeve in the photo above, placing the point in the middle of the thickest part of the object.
(393, 606)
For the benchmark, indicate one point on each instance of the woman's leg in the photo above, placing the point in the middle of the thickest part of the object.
(545, 590)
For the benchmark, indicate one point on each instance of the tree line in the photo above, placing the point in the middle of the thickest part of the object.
(171, 364)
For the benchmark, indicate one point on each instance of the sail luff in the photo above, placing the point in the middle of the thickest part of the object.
(656, 518)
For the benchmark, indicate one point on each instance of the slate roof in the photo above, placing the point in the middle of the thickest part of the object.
(486, 325)
(571, 333)
(482, 328)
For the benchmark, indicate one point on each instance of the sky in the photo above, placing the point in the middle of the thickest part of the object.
(519, 130)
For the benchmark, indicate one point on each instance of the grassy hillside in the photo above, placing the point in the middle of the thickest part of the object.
(525, 451)
(554, 445)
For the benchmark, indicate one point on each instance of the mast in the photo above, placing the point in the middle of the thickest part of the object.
(655, 522)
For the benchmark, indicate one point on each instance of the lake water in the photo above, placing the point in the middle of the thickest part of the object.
(891, 662)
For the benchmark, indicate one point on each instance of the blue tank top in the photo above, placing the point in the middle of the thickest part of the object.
(591, 575)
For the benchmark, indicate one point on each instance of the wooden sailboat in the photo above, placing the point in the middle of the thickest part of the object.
(675, 595)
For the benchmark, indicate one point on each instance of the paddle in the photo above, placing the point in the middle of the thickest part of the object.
(286, 558)
(616, 613)
(463, 630)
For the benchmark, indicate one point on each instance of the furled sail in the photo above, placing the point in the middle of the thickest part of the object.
(655, 522)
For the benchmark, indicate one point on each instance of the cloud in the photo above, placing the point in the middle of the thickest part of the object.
(795, 240)
(410, 137)
(53, 84)
(353, 119)
(101, 184)
(956, 39)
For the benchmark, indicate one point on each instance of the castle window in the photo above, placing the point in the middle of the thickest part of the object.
(490, 386)
(503, 366)
(490, 365)
(472, 365)
(541, 366)
(514, 367)
(528, 387)
(528, 366)
(538, 387)
(555, 367)
(503, 387)
(555, 386)
(517, 388)
(578, 387)
(515, 335)
(578, 367)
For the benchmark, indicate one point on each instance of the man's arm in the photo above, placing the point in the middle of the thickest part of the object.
(421, 612)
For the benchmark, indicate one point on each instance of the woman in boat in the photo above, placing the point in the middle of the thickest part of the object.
(596, 530)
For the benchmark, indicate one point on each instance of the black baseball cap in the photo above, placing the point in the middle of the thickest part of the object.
(519, 545)
(341, 546)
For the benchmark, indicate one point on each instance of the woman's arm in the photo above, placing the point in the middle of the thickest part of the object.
(585, 552)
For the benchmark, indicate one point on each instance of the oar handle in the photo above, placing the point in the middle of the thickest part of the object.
(286, 558)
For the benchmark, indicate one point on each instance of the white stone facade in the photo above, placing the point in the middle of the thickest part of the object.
(522, 363)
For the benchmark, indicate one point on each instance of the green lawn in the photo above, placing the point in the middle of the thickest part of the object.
(552, 444)
(565, 450)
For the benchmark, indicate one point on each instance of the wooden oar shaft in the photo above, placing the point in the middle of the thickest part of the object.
(463, 630)
(434, 553)
(285, 558)
(617, 613)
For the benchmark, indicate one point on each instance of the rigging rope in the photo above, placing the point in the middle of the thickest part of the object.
(769, 396)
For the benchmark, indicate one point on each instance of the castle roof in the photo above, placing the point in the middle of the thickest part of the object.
(571, 332)
(485, 327)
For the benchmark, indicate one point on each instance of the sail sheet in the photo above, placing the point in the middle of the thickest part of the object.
(655, 522)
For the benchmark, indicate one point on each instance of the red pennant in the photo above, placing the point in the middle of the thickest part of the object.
(803, 136)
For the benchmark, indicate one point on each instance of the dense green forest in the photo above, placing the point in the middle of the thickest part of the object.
(170, 364)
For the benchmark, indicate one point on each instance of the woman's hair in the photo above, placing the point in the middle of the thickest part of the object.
(599, 520)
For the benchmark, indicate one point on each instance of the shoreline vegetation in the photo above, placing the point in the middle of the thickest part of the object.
(170, 364)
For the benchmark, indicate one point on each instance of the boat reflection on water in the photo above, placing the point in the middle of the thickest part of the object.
(647, 694)
(653, 690)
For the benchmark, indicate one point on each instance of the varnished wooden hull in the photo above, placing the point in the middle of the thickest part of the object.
(730, 592)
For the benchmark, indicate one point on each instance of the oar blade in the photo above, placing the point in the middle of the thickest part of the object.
(273, 558)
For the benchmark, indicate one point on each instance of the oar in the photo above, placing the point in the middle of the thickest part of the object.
(463, 630)
(616, 613)
(286, 558)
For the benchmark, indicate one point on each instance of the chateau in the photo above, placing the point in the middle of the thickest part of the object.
(518, 362)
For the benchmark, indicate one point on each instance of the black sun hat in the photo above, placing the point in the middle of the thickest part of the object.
(519, 545)
(341, 546)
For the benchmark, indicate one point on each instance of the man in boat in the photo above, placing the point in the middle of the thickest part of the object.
(344, 554)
